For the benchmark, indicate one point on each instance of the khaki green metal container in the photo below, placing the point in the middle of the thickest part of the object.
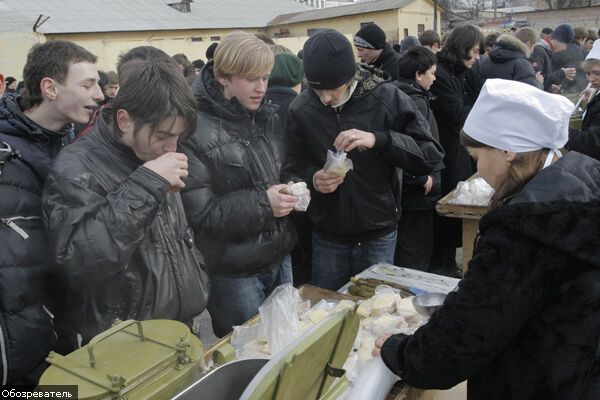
(149, 360)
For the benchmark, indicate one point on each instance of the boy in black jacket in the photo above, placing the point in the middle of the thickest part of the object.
(416, 71)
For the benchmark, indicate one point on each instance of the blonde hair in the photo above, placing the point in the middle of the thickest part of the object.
(589, 64)
(520, 170)
(242, 54)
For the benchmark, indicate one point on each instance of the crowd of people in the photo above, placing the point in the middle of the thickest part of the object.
(162, 189)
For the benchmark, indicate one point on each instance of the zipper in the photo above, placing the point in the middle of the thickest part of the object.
(344, 199)
(3, 356)
(10, 222)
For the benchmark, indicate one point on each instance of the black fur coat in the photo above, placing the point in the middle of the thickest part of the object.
(524, 322)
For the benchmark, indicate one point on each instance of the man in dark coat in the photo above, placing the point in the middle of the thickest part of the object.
(419, 193)
(117, 228)
(372, 49)
(61, 87)
(587, 139)
(508, 60)
(568, 54)
(524, 322)
(233, 196)
(354, 111)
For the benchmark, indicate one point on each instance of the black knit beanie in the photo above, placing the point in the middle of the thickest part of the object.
(370, 36)
(563, 33)
(328, 60)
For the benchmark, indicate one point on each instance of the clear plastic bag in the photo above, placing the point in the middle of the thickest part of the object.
(337, 163)
(474, 192)
(374, 381)
(300, 190)
(279, 315)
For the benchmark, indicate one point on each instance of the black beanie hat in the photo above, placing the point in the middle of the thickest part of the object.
(563, 33)
(370, 36)
(210, 52)
(328, 60)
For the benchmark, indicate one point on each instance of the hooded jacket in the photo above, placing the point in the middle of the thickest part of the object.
(587, 140)
(413, 197)
(508, 60)
(524, 322)
(367, 204)
(119, 239)
(26, 154)
(234, 157)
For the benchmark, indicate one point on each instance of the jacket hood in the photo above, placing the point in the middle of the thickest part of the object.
(508, 48)
(368, 79)
(209, 98)
(559, 207)
(14, 123)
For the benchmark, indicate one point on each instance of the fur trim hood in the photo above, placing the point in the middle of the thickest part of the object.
(509, 47)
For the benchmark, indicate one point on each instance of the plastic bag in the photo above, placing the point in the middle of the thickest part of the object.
(475, 192)
(301, 190)
(374, 381)
(337, 163)
(279, 315)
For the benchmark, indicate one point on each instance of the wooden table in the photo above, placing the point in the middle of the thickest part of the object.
(470, 216)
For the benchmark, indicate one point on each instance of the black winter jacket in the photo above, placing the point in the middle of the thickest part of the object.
(541, 60)
(451, 110)
(234, 157)
(367, 204)
(119, 239)
(524, 322)
(388, 62)
(26, 154)
(413, 195)
(587, 140)
(507, 60)
(282, 97)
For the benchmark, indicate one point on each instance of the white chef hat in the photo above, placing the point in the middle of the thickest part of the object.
(595, 51)
(517, 117)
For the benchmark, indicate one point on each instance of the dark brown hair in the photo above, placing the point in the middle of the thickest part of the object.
(429, 38)
(50, 60)
(152, 91)
(520, 171)
(141, 53)
(460, 42)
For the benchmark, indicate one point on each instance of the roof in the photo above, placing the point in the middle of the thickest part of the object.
(77, 16)
(341, 11)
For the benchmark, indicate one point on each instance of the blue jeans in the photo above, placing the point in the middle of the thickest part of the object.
(334, 263)
(234, 301)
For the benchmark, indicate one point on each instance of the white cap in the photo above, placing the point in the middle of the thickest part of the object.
(595, 51)
(514, 116)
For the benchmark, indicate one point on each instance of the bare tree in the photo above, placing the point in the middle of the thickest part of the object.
(474, 7)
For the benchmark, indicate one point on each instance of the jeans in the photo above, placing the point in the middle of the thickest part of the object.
(234, 301)
(334, 263)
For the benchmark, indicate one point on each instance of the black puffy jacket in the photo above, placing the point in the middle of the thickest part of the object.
(524, 322)
(26, 154)
(413, 195)
(119, 239)
(367, 204)
(507, 60)
(234, 157)
(587, 140)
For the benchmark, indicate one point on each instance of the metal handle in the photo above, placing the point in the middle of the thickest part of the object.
(108, 333)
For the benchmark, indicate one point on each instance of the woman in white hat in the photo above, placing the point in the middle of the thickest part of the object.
(524, 322)
(587, 140)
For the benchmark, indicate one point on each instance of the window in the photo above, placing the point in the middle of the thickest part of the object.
(405, 32)
(362, 24)
(420, 29)
(196, 39)
(215, 38)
